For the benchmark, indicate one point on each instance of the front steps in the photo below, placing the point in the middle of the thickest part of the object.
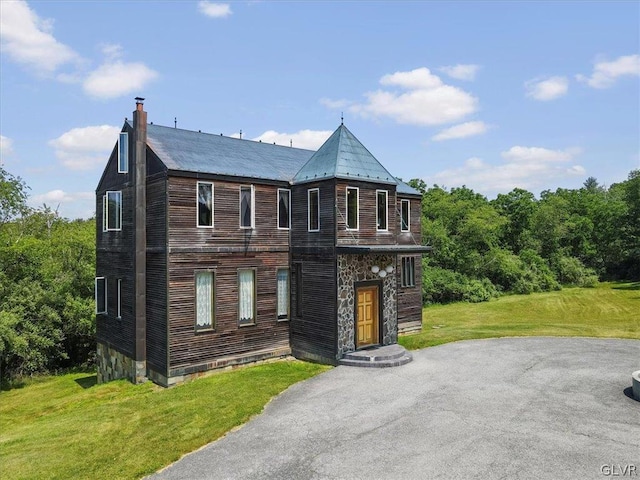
(377, 357)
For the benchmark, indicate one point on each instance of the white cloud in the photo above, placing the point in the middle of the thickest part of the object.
(427, 101)
(547, 89)
(28, 39)
(60, 196)
(606, 73)
(335, 104)
(523, 167)
(85, 148)
(68, 204)
(463, 130)
(115, 78)
(6, 146)
(309, 139)
(214, 10)
(461, 71)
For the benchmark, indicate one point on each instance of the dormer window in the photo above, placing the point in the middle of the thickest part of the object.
(381, 209)
(405, 216)
(352, 208)
(123, 153)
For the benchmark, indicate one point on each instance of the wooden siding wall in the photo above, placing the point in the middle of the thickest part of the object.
(414, 235)
(409, 298)
(157, 355)
(367, 233)
(300, 236)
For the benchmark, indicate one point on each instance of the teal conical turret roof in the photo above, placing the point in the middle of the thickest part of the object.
(343, 156)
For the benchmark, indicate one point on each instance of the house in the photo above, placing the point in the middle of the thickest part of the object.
(215, 251)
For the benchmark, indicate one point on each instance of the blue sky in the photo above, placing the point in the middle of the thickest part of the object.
(491, 95)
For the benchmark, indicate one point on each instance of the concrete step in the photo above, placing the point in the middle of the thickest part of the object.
(377, 357)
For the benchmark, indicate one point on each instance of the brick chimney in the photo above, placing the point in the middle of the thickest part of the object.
(140, 235)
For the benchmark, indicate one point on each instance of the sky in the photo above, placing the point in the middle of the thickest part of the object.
(490, 95)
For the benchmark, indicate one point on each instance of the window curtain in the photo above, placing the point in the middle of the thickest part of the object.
(283, 294)
(245, 295)
(204, 299)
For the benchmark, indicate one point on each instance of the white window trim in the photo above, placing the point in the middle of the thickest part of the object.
(309, 229)
(386, 209)
(408, 203)
(288, 294)
(412, 270)
(105, 211)
(288, 209)
(213, 301)
(253, 207)
(255, 297)
(95, 294)
(198, 205)
(126, 137)
(357, 227)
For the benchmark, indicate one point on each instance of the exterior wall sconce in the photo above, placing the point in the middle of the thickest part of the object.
(375, 269)
(382, 272)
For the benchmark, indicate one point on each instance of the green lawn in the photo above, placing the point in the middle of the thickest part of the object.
(68, 427)
(610, 310)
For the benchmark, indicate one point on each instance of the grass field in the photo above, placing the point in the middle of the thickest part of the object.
(67, 427)
(610, 310)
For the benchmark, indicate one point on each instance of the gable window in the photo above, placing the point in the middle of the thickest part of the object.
(247, 206)
(408, 273)
(352, 208)
(284, 208)
(405, 217)
(283, 293)
(246, 297)
(123, 153)
(101, 295)
(381, 209)
(112, 211)
(205, 204)
(313, 197)
(205, 301)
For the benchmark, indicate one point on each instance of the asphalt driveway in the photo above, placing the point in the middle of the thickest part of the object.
(522, 408)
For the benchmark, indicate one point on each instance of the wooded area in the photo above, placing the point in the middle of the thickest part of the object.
(515, 243)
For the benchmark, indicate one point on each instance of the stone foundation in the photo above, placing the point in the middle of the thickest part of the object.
(113, 365)
(357, 268)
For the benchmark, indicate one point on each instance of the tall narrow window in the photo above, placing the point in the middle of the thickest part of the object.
(283, 293)
(205, 204)
(313, 196)
(284, 208)
(123, 153)
(246, 297)
(119, 294)
(408, 274)
(246, 207)
(405, 216)
(381, 209)
(112, 211)
(205, 300)
(101, 294)
(352, 208)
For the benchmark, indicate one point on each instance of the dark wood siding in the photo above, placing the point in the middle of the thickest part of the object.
(409, 298)
(300, 236)
(413, 236)
(367, 233)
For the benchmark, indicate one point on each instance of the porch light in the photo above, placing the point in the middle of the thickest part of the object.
(382, 273)
(375, 269)
(389, 268)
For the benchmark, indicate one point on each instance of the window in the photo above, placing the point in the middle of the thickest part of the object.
(314, 209)
(112, 211)
(405, 217)
(101, 294)
(247, 205)
(282, 278)
(284, 208)
(205, 301)
(123, 153)
(119, 298)
(381, 209)
(205, 204)
(246, 297)
(352, 208)
(408, 274)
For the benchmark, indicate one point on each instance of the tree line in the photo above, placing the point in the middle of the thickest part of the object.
(518, 243)
(481, 248)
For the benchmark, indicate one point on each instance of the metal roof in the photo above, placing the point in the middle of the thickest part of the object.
(191, 151)
(343, 156)
(405, 188)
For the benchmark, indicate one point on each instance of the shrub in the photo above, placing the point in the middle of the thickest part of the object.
(445, 286)
(571, 271)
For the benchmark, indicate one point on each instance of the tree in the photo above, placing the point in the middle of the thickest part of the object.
(13, 196)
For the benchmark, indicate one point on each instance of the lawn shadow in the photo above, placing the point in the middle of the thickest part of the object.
(626, 286)
(629, 393)
(87, 382)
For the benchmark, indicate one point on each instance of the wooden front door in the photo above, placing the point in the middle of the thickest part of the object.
(367, 316)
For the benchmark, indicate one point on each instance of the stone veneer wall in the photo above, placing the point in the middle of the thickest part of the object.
(357, 268)
(113, 365)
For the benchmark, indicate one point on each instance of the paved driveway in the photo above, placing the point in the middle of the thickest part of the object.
(522, 408)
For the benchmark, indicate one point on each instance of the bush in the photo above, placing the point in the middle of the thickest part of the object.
(571, 271)
(445, 286)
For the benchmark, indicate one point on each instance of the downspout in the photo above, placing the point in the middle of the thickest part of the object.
(140, 234)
